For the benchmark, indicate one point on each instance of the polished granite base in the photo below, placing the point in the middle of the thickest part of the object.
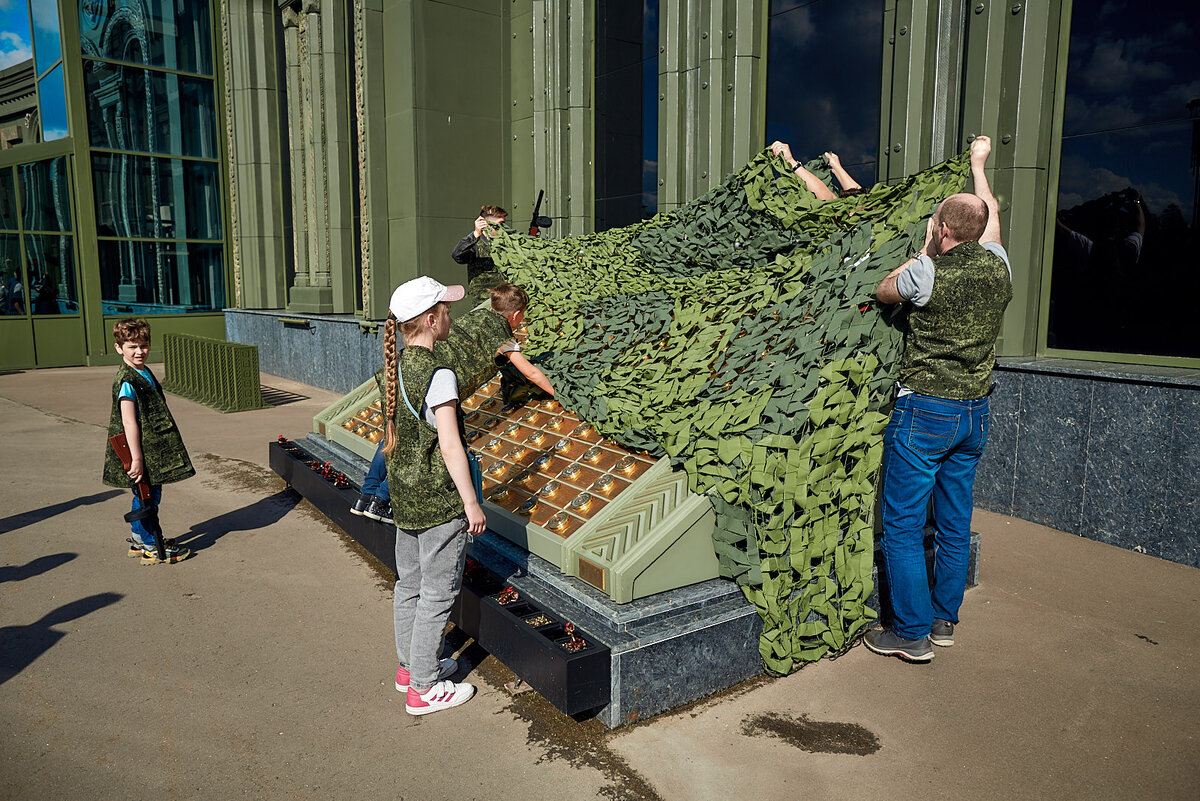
(1109, 452)
(665, 650)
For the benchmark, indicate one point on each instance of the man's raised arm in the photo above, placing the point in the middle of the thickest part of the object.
(981, 148)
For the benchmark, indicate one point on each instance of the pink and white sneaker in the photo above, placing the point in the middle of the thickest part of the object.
(446, 669)
(443, 695)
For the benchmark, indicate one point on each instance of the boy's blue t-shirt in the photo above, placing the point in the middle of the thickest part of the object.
(126, 390)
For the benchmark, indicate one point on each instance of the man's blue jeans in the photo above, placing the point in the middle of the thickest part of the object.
(931, 447)
(376, 481)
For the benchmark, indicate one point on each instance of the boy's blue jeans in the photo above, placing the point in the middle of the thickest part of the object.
(931, 447)
(376, 481)
(142, 535)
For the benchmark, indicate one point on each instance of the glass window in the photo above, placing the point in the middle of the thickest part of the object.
(816, 108)
(132, 108)
(161, 277)
(156, 198)
(626, 111)
(175, 34)
(1124, 247)
(46, 42)
(15, 47)
(52, 93)
(8, 199)
(12, 285)
(50, 265)
(46, 195)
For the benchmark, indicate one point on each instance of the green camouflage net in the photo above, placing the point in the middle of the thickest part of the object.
(739, 336)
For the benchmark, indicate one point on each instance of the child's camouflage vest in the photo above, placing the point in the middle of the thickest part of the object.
(951, 345)
(423, 493)
(165, 458)
(470, 349)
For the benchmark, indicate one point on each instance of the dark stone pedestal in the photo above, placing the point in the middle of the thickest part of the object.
(663, 651)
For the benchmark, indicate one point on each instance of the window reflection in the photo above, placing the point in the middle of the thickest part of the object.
(132, 108)
(813, 106)
(45, 195)
(158, 33)
(12, 286)
(161, 277)
(50, 266)
(52, 94)
(8, 199)
(45, 34)
(157, 198)
(1124, 247)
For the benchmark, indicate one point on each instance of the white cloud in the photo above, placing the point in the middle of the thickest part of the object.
(795, 27)
(1111, 70)
(13, 50)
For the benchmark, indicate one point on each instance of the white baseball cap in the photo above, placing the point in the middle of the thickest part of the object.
(420, 295)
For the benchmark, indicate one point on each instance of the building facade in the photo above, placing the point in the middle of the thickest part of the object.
(293, 160)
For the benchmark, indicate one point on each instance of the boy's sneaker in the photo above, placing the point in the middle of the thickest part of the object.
(888, 643)
(443, 695)
(942, 633)
(174, 554)
(446, 669)
(378, 509)
(135, 547)
(360, 506)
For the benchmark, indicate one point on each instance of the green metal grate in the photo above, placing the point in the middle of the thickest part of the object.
(214, 372)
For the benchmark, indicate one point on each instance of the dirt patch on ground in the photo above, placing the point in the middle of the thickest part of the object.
(814, 736)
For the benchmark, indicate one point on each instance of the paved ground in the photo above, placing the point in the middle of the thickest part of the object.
(262, 667)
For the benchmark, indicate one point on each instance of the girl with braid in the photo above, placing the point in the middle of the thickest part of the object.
(433, 498)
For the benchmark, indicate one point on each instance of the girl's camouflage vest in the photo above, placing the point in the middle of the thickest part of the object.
(165, 457)
(951, 345)
(423, 493)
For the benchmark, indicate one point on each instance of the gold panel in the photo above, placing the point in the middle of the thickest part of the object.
(592, 574)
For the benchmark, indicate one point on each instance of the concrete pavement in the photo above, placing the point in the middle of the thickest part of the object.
(262, 667)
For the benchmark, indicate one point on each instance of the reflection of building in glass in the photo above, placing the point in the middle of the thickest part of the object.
(18, 106)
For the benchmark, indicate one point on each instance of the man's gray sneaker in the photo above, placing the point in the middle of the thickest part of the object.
(942, 633)
(888, 643)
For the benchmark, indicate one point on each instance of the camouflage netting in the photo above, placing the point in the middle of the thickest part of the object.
(739, 336)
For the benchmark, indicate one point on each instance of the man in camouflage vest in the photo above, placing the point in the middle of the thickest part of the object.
(957, 286)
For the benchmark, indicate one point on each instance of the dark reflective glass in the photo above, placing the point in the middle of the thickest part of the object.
(52, 93)
(8, 199)
(45, 195)
(161, 277)
(50, 265)
(1125, 258)
(46, 44)
(824, 63)
(13, 297)
(158, 198)
(159, 33)
(132, 108)
(626, 165)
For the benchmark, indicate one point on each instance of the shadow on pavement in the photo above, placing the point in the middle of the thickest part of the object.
(43, 564)
(260, 514)
(14, 522)
(20, 646)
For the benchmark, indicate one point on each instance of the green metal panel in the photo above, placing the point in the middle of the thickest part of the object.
(59, 341)
(17, 335)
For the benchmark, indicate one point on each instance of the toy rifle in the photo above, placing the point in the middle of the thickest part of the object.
(538, 222)
(148, 514)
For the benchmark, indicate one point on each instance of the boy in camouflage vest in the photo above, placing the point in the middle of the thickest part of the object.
(433, 496)
(957, 286)
(139, 410)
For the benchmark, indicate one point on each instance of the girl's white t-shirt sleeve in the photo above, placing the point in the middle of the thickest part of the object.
(442, 388)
